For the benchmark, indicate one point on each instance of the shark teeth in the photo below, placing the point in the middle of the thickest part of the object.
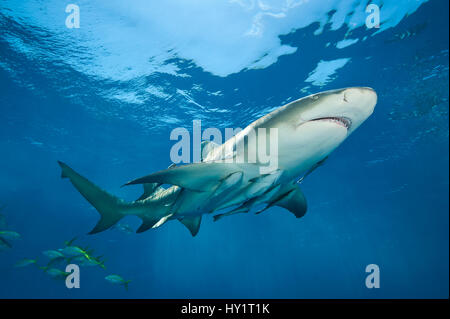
(344, 121)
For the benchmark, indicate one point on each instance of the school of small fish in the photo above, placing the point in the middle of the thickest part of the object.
(57, 259)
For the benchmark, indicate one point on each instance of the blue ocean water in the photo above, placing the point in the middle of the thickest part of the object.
(105, 97)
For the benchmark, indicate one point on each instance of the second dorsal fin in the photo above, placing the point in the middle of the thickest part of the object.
(149, 189)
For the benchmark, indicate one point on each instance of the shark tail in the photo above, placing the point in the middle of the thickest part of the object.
(111, 208)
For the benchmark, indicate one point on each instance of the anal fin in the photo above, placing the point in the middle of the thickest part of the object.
(192, 223)
(148, 223)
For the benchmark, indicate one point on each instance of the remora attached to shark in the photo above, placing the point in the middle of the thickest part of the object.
(309, 129)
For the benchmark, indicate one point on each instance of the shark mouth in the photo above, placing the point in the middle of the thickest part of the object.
(343, 121)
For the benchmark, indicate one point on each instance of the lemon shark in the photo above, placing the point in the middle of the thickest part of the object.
(226, 181)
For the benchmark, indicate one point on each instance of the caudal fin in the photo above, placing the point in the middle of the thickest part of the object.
(111, 208)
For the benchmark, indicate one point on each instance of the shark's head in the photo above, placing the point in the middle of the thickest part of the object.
(345, 108)
(312, 127)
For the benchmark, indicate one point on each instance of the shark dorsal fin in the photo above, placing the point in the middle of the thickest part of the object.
(192, 223)
(208, 147)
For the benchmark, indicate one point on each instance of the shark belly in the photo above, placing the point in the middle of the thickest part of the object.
(311, 142)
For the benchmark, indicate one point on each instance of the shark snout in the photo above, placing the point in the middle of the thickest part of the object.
(347, 108)
(364, 97)
(357, 104)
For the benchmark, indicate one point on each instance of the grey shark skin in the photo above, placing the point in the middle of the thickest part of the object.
(309, 129)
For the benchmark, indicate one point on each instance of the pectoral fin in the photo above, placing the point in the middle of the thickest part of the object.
(192, 223)
(199, 177)
(295, 202)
